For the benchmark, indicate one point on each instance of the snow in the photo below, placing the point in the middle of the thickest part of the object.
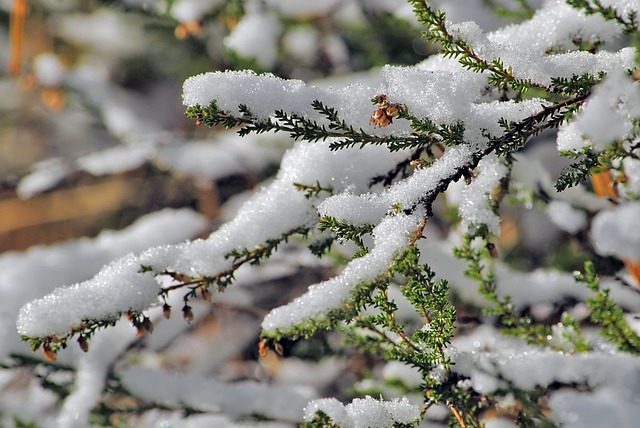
(299, 10)
(390, 236)
(490, 360)
(365, 412)
(439, 89)
(41, 270)
(44, 176)
(566, 217)
(192, 10)
(48, 69)
(256, 36)
(115, 160)
(607, 115)
(475, 205)
(611, 234)
(236, 399)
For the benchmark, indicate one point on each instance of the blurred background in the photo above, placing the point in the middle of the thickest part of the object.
(92, 129)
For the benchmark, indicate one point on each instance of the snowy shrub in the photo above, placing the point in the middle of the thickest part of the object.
(406, 186)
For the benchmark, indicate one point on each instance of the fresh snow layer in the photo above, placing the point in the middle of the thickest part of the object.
(273, 211)
(475, 204)
(492, 361)
(365, 412)
(390, 236)
(612, 235)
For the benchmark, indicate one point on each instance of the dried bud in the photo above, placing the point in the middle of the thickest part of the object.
(393, 110)
(493, 251)
(166, 310)
(48, 353)
(380, 119)
(262, 348)
(84, 344)
(147, 325)
(207, 296)
(279, 349)
(418, 163)
(187, 313)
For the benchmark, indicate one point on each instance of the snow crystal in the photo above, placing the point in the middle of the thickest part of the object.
(490, 360)
(606, 117)
(566, 217)
(366, 412)
(390, 236)
(256, 36)
(570, 139)
(475, 204)
(558, 27)
(331, 407)
(538, 67)
(611, 234)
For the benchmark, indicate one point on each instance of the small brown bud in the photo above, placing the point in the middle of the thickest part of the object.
(493, 250)
(166, 310)
(48, 353)
(84, 344)
(147, 325)
(393, 110)
(187, 313)
(263, 350)
(207, 296)
(380, 119)
(279, 349)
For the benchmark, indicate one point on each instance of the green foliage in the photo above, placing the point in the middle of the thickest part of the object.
(577, 172)
(455, 47)
(629, 22)
(606, 313)
(347, 232)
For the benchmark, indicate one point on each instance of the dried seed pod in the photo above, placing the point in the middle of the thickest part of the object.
(48, 353)
(380, 119)
(187, 313)
(207, 296)
(393, 110)
(279, 349)
(263, 350)
(147, 325)
(166, 310)
(84, 344)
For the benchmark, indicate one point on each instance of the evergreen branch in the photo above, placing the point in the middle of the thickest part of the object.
(576, 85)
(301, 128)
(629, 22)
(479, 259)
(347, 232)
(455, 47)
(51, 345)
(516, 135)
(607, 314)
(577, 172)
